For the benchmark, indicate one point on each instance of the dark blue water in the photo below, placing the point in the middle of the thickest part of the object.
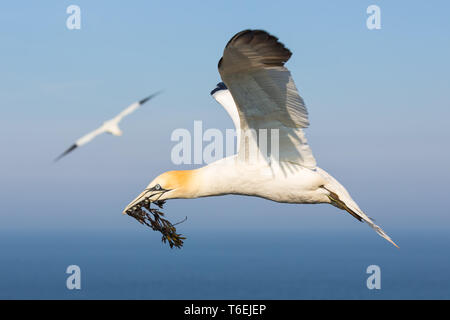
(223, 265)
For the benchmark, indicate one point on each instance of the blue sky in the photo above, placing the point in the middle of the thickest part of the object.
(378, 101)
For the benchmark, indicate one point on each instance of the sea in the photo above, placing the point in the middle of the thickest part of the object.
(223, 264)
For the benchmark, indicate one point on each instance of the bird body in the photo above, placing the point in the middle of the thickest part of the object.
(261, 179)
(259, 94)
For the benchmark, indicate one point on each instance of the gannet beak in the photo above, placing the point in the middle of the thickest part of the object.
(144, 200)
(153, 217)
(129, 207)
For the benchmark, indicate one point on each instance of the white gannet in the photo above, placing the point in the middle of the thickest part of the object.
(110, 126)
(258, 92)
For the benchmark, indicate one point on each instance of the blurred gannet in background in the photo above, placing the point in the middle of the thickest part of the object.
(258, 92)
(110, 126)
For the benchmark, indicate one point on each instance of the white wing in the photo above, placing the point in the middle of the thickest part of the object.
(252, 67)
(223, 96)
(91, 135)
(131, 108)
(83, 140)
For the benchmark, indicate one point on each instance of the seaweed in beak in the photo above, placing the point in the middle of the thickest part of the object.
(141, 210)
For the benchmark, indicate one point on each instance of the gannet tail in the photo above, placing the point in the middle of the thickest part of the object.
(340, 198)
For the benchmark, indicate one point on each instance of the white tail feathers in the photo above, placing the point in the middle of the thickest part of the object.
(340, 198)
(380, 231)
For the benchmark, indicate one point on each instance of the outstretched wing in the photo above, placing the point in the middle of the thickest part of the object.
(252, 68)
(131, 108)
(83, 140)
(223, 96)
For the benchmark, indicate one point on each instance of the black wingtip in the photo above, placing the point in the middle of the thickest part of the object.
(220, 86)
(150, 97)
(72, 147)
(266, 47)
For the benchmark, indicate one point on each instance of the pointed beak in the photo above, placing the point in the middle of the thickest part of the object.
(153, 217)
(143, 200)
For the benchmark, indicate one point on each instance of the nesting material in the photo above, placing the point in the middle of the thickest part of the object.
(153, 218)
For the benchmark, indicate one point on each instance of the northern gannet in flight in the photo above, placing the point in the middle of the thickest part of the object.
(258, 92)
(110, 126)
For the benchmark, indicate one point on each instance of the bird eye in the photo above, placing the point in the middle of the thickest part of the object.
(157, 187)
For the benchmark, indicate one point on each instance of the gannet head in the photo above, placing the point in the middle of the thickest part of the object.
(169, 185)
